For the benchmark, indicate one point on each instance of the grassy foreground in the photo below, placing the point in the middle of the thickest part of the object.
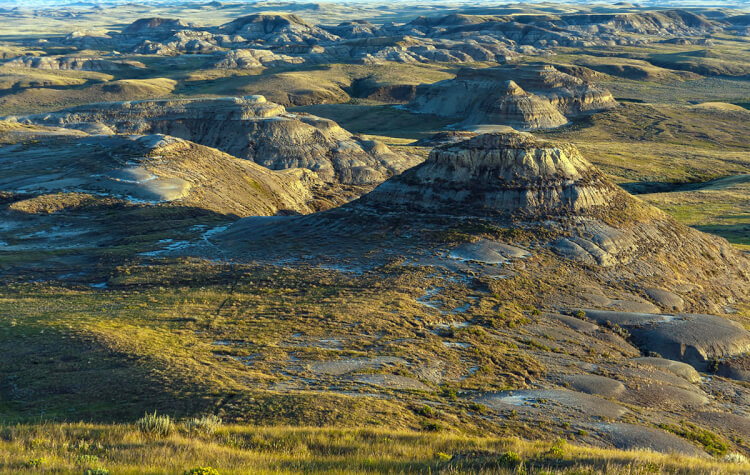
(123, 449)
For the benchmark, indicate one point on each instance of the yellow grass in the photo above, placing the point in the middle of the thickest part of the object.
(121, 449)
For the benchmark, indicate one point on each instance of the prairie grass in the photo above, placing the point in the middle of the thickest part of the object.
(237, 449)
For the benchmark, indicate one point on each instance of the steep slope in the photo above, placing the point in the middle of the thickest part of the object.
(155, 26)
(249, 128)
(146, 169)
(455, 37)
(499, 175)
(525, 97)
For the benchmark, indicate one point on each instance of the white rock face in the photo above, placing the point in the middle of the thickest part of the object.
(246, 127)
(254, 58)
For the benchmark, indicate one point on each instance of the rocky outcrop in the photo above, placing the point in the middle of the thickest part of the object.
(185, 41)
(665, 22)
(499, 175)
(254, 58)
(155, 26)
(455, 37)
(277, 29)
(354, 29)
(250, 128)
(524, 97)
(75, 63)
(690, 338)
(445, 137)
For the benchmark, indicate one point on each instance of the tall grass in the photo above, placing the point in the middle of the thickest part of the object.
(233, 449)
(153, 425)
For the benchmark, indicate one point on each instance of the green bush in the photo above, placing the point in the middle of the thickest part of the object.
(734, 457)
(202, 471)
(204, 424)
(712, 443)
(87, 460)
(443, 456)
(510, 459)
(154, 425)
(96, 471)
(449, 393)
(557, 450)
(33, 463)
(425, 411)
(431, 426)
(475, 406)
(618, 330)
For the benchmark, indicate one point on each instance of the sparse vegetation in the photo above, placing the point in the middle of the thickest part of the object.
(202, 471)
(36, 462)
(153, 425)
(510, 459)
(204, 424)
(713, 443)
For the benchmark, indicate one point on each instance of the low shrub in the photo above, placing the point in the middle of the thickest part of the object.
(34, 463)
(712, 443)
(96, 471)
(425, 411)
(557, 450)
(154, 425)
(87, 459)
(734, 457)
(204, 424)
(431, 426)
(510, 459)
(202, 471)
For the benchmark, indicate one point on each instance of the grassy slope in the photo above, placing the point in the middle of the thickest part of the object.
(150, 344)
(34, 100)
(73, 448)
(22, 78)
(191, 337)
(662, 143)
(378, 119)
(308, 84)
(727, 56)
